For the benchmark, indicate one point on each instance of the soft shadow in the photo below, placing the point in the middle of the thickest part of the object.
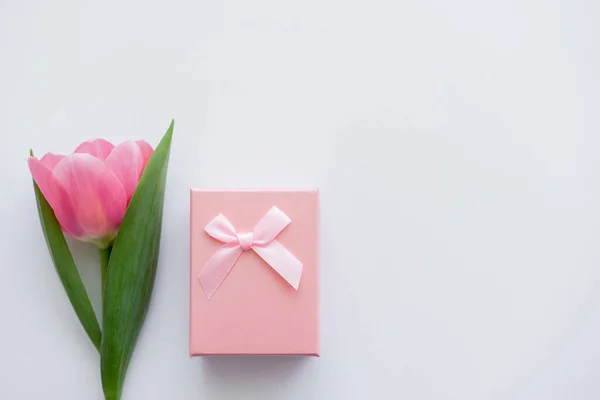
(250, 374)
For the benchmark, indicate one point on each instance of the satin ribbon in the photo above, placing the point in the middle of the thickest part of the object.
(261, 240)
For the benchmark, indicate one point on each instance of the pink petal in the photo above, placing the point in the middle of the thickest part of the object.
(50, 160)
(146, 150)
(99, 148)
(127, 163)
(98, 197)
(55, 196)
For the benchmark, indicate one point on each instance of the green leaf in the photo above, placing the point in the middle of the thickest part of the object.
(131, 271)
(66, 268)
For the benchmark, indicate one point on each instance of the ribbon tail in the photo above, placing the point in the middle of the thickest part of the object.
(218, 266)
(282, 261)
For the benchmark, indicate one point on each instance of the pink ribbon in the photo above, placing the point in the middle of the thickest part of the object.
(261, 240)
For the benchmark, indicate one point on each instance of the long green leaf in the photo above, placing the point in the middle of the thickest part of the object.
(131, 271)
(66, 268)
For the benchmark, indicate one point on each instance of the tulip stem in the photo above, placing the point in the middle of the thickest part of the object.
(104, 258)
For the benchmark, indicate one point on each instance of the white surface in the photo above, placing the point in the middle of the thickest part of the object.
(455, 145)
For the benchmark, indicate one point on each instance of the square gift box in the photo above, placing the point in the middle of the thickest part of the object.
(254, 258)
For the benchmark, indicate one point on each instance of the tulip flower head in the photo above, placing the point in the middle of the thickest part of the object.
(90, 189)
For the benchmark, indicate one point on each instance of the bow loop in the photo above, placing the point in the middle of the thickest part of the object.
(221, 229)
(270, 226)
(261, 240)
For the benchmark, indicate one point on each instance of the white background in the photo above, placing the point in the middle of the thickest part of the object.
(455, 143)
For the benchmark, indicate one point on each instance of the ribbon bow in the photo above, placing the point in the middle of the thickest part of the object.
(261, 240)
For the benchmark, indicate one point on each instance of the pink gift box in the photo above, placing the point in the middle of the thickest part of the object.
(255, 310)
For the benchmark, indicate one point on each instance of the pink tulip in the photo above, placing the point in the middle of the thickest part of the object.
(90, 189)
